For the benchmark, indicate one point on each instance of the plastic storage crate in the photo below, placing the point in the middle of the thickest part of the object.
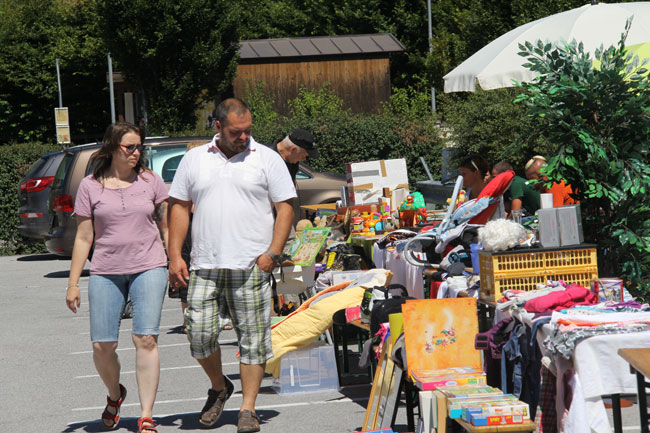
(524, 270)
(310, 369)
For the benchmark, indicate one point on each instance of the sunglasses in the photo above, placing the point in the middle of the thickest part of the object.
(133, 147)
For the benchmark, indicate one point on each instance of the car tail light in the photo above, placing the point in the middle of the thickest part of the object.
(63, 203)
(36, 184)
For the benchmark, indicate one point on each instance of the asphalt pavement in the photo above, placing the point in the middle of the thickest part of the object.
(48, 382)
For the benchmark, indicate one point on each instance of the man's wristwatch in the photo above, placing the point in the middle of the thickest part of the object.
(275, 257)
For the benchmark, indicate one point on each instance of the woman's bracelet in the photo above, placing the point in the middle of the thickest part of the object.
(74, 285)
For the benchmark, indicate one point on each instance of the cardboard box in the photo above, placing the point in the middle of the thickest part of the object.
(366, 180)
(570, 223)
(294, 279)
(486, 408)
(481, 419)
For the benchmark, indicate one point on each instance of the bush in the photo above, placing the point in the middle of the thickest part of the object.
(490, 123)
(399, 131)
(15, 160)
(598, 119)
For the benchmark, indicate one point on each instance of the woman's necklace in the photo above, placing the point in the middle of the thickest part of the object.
(117, 183)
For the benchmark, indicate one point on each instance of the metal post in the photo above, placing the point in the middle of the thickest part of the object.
(433, 90)
(58, 80)
(110, 87)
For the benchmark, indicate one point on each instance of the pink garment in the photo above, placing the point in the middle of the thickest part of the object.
(127, 240)
(573, 295)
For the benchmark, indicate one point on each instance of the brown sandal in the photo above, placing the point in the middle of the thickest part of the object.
(214, 405)
(248, 422)
(115, 418)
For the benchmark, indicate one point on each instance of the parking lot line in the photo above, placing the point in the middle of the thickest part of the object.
(162, 369)
(273, 406)
(130, 329)
(160, 346)
(164, 309)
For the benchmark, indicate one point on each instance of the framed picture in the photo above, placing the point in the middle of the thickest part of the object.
(306, 247)
(439, 333)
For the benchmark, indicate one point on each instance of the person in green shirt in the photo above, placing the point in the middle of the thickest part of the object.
(521, 194)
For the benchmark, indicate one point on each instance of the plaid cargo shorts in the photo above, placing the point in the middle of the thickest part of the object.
(217, 295)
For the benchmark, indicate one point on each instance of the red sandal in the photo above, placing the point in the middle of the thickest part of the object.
(107, 416)
(151, 425)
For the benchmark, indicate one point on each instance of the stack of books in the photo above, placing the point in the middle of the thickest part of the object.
(484, 405)
(496, 413)
(428, 380)
(455, 404)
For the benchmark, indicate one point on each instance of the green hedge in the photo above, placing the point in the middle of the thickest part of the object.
(400, 130)
(15, 160)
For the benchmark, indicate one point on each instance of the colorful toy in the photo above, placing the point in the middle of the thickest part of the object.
(412, 210)
(462, 198)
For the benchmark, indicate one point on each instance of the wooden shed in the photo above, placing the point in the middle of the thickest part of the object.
(356, 66)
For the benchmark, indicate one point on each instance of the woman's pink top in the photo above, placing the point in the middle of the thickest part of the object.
(127, 239)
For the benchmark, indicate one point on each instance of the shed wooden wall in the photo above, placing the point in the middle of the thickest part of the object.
(362, 83)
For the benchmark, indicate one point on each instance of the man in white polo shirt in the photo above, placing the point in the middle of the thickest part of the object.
(234, 183)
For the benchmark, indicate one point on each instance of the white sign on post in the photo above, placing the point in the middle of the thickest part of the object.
(62, 122)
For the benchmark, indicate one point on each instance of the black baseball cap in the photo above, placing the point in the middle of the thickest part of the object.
(303, 138)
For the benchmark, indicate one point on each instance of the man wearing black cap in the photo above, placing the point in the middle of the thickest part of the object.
(294, 148)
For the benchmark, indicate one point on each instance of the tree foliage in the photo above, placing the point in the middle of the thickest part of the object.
(491, 124)
(599, 121)
(33, 34)
(343, 136)
(173, 50)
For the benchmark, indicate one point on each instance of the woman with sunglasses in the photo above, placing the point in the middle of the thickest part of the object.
(474, 170)
(121, 208)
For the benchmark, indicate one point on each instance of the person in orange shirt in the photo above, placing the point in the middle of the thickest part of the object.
(561, 191)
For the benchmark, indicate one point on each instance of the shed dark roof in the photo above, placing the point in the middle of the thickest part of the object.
(319, 46)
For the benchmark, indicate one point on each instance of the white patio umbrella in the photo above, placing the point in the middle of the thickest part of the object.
(497, 64)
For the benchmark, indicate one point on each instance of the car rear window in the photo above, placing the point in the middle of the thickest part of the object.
(52, 164)
(59, 177)
(36, 169)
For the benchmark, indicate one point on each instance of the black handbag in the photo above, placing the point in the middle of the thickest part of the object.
(382, 308)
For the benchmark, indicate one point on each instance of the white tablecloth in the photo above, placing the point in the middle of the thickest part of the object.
(403, 272)
(600, 371)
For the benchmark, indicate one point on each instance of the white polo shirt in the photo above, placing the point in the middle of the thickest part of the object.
(233, 202)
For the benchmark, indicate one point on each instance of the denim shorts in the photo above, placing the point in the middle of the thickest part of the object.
(107, 295)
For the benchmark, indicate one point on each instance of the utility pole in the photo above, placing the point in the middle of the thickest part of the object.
(433, 90)
(58, 80)
(110, 87)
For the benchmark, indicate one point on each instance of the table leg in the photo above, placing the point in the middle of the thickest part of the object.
(616, 412)
(410, 404)
(642, 401)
